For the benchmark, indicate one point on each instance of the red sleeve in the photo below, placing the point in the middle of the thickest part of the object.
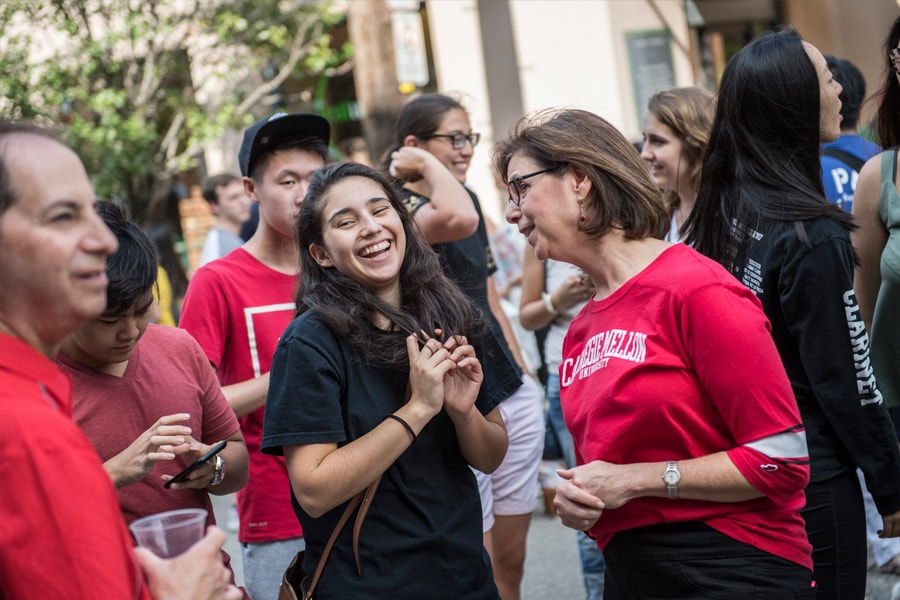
(741, 372)
(776, 478)
(204, 314)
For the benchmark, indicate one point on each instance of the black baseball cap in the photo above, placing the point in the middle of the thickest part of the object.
(277, 128)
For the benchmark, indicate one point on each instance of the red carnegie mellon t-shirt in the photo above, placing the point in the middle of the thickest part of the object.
(679, 363)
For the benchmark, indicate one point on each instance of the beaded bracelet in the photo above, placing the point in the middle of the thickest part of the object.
(409, 429)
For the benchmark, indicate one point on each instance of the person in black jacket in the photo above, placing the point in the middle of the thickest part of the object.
(761, 212)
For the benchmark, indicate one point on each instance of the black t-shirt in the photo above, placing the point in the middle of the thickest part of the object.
(468, 263)
(806, 290)
(422, 535)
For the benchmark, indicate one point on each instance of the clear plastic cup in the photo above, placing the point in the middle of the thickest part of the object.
(170, 533)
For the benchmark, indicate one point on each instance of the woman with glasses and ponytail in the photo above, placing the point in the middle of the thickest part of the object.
(448, 215)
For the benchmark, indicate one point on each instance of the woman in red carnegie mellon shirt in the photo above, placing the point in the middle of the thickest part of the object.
(691, 454)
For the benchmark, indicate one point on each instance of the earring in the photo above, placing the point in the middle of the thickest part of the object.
(582, 218)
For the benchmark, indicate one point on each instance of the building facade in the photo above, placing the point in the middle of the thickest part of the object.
(510, 58)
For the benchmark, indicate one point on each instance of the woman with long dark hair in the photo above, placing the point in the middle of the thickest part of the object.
(762, 213)
(876, 210)
(376, 375)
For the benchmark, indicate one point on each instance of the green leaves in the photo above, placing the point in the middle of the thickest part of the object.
(139, 87)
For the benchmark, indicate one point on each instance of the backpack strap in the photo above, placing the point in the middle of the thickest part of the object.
(851, 160)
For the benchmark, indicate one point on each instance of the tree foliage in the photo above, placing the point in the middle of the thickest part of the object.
(139, 87)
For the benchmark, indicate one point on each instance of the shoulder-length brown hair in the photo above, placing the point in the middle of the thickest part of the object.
(623, 196)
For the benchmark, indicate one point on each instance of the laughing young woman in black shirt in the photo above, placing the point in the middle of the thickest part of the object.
(358, 389)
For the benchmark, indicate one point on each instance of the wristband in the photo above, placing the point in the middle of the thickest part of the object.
(548, 304)
(409, 429)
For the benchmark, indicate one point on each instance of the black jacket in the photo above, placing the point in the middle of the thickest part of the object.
(806, 289)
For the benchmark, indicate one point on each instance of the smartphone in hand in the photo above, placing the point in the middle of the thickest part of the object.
(218, 447)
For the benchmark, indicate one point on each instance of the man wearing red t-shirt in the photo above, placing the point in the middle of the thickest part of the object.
(236, 307)
(61, 532)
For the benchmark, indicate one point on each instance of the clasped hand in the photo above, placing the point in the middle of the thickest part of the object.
(444, 375)
(572, 291)
(588, 490)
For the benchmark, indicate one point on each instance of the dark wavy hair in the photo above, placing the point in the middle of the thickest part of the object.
(131, 269)
(429, 300)
(887, 115)
(762, 164)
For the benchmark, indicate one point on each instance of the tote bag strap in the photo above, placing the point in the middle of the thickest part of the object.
(364, 499)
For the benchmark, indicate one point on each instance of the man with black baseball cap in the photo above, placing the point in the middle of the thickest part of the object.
(237, 306)
(265, 134)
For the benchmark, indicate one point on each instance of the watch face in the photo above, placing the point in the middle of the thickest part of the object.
(671, 477)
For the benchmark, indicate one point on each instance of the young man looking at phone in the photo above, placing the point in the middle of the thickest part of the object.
(63, 535)
(238, 306)
(145, 395)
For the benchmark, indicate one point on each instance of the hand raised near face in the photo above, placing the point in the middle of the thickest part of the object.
(410, 163)
(574, 290)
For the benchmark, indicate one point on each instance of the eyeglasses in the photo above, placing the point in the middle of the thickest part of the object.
(515, 188)
(457, 139)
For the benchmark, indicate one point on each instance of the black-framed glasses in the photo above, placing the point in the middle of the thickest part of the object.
(515, 189)
(457, 139)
